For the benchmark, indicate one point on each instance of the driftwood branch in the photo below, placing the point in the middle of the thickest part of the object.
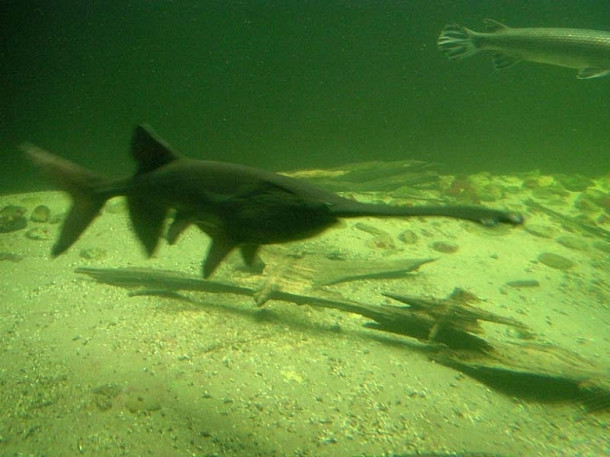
(535, 371)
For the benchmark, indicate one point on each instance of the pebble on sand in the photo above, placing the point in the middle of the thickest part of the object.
(555, 261)
(41, 213)
(445, 247)
(12, 219)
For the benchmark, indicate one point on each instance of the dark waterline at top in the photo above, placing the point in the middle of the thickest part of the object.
(285, 85)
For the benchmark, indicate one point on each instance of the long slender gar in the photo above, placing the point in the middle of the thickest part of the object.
(586, 50)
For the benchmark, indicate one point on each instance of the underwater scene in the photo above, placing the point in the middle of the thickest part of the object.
(280, 228)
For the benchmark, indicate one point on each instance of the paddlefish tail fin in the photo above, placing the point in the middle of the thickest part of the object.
(479, 214)
(457, 42)
(83, 186)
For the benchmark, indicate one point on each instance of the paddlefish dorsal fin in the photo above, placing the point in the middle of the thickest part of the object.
(494, 26)
(150, 151)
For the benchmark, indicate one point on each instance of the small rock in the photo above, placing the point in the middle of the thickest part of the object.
(573, 242)
(445, 247)
(381, 239)
(599, 197)
(520, 333)
(523, 283)
(549, 192)
(105, 395)
(405, 193)
(586, 206)
(542, 231)
(555, 261)
(56, 218)
(142, 401)
(108, 390)
(368, 228)
(462, 190)
(13, 211)
(12, 224)
(574, 183)
(408, 237)
(557, 202)
(484, 188)
(382, 242)
(530, 183)
(491, 193)
(41, 213)
(93, 253)
(602, 246)
(38, 234)
(12, 219)
(496, 230)
(9, 256)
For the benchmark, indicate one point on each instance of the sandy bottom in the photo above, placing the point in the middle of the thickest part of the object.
(86, 369)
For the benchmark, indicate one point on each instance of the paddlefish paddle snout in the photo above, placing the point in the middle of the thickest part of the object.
(238, 207)
(485, 216)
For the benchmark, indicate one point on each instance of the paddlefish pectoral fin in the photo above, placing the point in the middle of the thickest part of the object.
(83, 186)
(147, 220)
(81, 214)
(178, 226)
(219, 249)
(249, 253)
(147, 215)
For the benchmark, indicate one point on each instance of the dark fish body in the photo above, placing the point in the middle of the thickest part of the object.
(236, 205)
(242, 204)
(585, 50)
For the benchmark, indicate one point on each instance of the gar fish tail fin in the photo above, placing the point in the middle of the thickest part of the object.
(82, 185)
(457, 42)
(479, 214)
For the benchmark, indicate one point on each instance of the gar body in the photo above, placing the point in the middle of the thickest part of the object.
(585, 50)
(237, 206)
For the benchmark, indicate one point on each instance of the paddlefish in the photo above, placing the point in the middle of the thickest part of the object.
(588, 51)
(235, 205)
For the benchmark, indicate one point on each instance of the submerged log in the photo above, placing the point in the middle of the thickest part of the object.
(570, 221)
(449, 329)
